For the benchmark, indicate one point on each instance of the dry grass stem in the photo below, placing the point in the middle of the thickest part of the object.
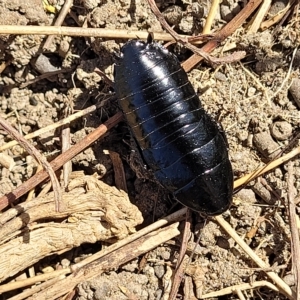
(65, 146)
(282, 286)
(288, 73)
(43, 76)
(179, 270)
(294, 229)
(88, 32)
(58, 124)
(60, 160)
(241, 287)
(211, 15)
(260, 85)
(59, 21)
(270, 166)
(35, 289)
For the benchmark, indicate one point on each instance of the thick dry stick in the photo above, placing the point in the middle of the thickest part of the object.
(60, 160)
(226, 31)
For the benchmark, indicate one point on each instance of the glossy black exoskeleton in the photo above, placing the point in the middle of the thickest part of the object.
(182, 145)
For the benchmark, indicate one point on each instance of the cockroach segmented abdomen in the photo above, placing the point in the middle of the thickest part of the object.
(179, 141)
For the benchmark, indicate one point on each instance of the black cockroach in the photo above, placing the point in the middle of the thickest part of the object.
(182, 145)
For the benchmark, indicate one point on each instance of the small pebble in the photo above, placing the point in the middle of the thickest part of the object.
(263, 193)
(7, 161)
(220, 76)
(281, 130)
(186, 24)
(277, 6)
(63, 48)
(242, 135)
(165, 255)
(159, 271)
(173, 14)
(246, 196)
(91, 4)
(251, 91)
(43, 64)
(225, 13)
(223, 243)
(65, 263)
(289, 279)
(266, 145)
(296, 63)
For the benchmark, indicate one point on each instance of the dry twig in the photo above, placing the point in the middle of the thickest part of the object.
(38, 157)
(270, 166)
(282, 286)
(294, 228)
(60, 19)
(60, 160)
(179, 270)
(50, 127)
(112, 260)
(226, 31)
(84, 32)
(120, 179)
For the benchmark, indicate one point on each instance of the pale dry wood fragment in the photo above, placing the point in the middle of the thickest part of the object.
(120, 179)
(259, 16)
(175, 217)
(7, 161)
(97, 213)
(275, 19)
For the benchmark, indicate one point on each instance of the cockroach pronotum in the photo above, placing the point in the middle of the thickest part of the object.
(179, 141)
